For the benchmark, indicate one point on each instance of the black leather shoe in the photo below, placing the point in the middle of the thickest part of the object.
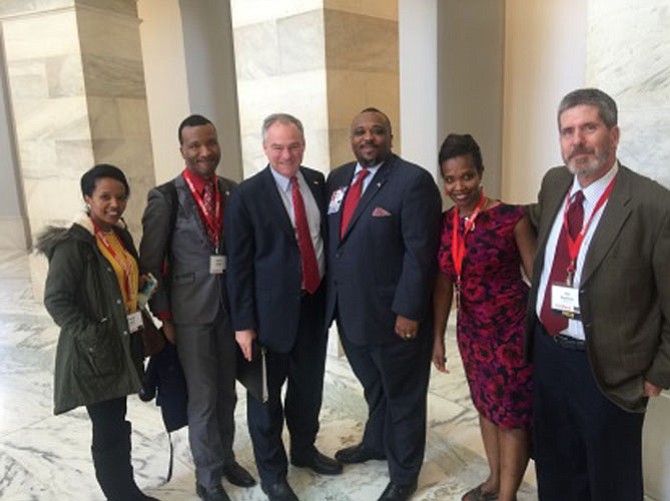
(216, 494)
(357, 454)
(396, 492)
(237, 475)
(318, 463)
(280, 491)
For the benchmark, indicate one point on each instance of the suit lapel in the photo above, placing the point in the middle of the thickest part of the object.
(278, 209)
(370, 193)
(185, 198)
(614, 216)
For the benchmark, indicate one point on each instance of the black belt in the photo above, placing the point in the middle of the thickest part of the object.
(569, 343)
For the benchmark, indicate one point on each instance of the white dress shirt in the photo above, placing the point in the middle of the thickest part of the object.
(592, 194)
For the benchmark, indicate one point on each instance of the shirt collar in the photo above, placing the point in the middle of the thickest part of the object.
(284, 182)
(594, 191)
(198, 181)
(373, 170)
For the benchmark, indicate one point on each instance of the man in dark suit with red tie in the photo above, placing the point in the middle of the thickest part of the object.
(599, 309)
(275, 224)
(383, 220)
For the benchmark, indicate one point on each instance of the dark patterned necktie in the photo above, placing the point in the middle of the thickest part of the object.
(208, 202)
(555, 322)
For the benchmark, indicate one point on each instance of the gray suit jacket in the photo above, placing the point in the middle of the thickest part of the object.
(188, 290)
(625, 287)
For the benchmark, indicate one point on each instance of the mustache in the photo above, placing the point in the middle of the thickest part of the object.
(581, 150)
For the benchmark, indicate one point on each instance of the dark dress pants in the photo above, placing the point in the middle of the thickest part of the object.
(207, 353)
(395, 384)
(586, 447)
(303, 369)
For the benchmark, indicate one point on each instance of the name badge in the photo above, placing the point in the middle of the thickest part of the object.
(565, 300)
(217, 264)
(336, 200)
(135, 321)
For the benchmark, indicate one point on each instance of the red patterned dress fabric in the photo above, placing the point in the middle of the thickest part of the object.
(491, 315)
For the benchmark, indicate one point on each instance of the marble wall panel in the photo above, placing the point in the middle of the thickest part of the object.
(57, 36)
(246, 12)
(113, 76)
(361, 43)
(628, 57)
(256, 51)
(64, 75)
(29, 79)
(301, 46)
(16, 7)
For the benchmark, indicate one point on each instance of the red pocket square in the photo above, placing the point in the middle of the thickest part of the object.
(380, 212)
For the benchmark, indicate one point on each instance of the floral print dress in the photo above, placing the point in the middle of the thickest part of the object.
(491, 315)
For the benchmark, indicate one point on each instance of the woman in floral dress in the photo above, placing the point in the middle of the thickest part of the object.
(484, 245)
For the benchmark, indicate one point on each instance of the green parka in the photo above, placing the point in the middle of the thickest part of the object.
(97, 358)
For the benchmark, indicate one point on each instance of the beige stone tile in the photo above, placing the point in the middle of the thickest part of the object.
(360, 43)
(111, 35)
(112, 76)
(351, 91)
(386, 9)
(125, 7)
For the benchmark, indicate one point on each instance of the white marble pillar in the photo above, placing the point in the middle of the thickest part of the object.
(76, 88)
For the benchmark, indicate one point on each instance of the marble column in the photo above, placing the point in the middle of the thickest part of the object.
(320, 60)
(77, 97)
(629, 58)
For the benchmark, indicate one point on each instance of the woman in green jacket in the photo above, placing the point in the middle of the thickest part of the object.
(91, 293)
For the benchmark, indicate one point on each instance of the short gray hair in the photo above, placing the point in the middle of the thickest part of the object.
(282, 118)
(594, 97)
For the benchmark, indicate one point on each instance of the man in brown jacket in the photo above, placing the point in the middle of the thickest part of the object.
(598, 314)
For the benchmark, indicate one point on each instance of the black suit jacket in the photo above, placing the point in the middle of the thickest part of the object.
(264, 275)
(385, 264)
(624, 293)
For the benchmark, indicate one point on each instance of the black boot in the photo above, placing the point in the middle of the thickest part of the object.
(114, 471)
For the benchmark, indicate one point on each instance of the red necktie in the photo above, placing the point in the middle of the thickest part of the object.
(310, 268)
(208, 202)
(554, 322)
(351, 200)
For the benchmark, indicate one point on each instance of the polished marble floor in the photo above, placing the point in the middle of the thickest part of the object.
(46, 457)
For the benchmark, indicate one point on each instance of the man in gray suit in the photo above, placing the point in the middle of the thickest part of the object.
(598, 319)
(183, 246)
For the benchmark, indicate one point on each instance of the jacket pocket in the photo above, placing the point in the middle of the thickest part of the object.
(98, 352)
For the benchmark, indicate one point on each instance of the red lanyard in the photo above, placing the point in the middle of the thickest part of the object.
(576, 244)
(458, 243)
(122, 261)
(213, 221)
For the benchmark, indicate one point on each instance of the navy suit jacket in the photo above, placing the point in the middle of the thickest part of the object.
(264, 276)
(385, 264)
